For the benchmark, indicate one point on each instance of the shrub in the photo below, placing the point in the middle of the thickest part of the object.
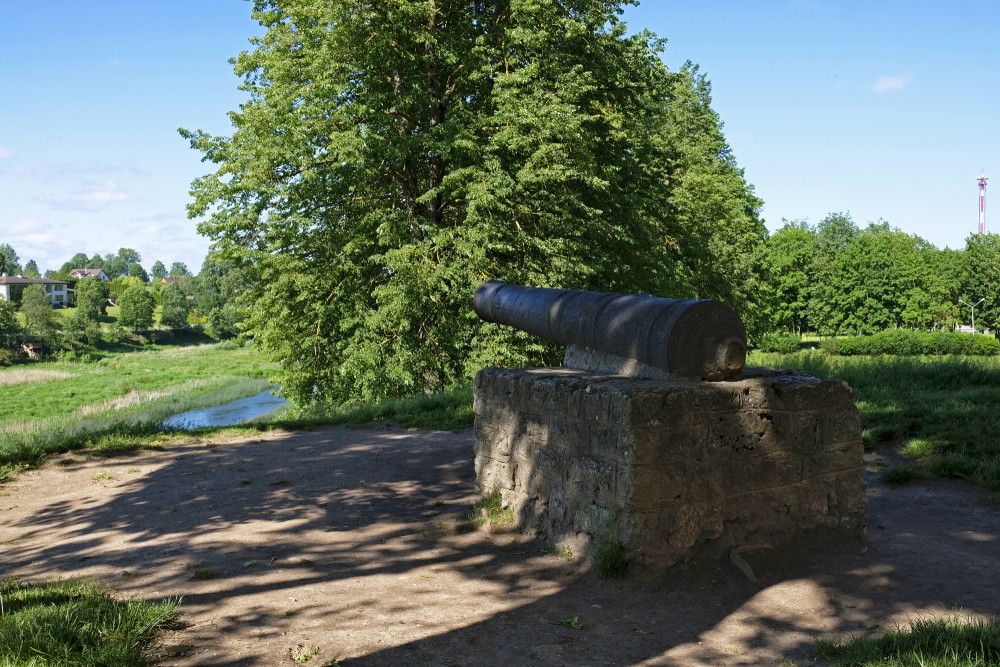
(903, 342)
(781, 343)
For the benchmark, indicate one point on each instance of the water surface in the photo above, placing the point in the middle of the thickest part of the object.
(227, 414)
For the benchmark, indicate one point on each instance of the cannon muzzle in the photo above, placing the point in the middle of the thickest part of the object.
(691, 338)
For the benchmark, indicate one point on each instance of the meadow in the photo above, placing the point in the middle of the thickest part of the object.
(119, 400)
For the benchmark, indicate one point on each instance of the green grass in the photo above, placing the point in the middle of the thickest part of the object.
(449, 410)
(489, 509)
(611, 557)
(119, 401)
(941, 410)
(77, 624)
(943, 642)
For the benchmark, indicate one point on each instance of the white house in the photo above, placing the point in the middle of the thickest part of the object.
(90, 273)
(11, 288)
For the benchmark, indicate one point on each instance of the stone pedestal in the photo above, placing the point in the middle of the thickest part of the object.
(671, 467)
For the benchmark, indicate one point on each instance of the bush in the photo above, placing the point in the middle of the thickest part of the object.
(781, 343)
(903, 342)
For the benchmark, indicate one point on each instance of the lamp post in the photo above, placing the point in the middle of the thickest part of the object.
(972, 306)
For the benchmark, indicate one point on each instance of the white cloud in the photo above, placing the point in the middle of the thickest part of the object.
(91, 197)
(35, 240)
(5, 153)
(888, 84)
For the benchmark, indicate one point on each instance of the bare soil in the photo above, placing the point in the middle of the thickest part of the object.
(355, 544)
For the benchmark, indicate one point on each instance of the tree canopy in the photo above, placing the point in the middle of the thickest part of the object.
(393, 156)
(136, 307)
(39, 320)
(91, 299)
(159, 271)
(175, 307)
(9, 259)
(837, 278)
(222, 294)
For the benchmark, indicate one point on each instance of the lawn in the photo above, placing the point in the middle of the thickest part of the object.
(940, 411)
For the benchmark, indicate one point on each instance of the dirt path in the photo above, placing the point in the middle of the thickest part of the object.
(349, 541)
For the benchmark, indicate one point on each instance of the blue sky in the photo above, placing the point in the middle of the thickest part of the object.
(886, 110)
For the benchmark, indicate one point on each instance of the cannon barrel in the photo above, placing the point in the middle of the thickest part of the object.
(692, 338)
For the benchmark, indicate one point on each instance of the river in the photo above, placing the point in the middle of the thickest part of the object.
(227, 414)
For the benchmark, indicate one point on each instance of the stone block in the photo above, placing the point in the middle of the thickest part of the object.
(671, 467)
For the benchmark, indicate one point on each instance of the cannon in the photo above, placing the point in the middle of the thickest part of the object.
(633, 334)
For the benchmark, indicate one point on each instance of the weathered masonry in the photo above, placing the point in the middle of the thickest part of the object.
(666, 463)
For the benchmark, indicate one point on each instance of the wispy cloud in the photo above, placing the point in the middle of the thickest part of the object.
(91, 197)
(44, 243)
(888, 84)
(5, 153)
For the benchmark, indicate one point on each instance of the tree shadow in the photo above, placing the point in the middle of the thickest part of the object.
(360, 538)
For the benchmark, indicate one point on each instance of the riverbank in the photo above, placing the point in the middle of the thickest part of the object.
(119, 400)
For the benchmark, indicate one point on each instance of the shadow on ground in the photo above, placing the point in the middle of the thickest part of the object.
(355, 542)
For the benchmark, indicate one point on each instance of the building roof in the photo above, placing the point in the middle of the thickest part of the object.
(21, 280)
(86, 272)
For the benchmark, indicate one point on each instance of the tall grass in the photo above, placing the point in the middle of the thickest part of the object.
(446, 411)
(77, 624)
(942, 642)
(942, 410)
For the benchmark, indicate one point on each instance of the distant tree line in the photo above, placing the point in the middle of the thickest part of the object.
(211, 300)
(835, 278)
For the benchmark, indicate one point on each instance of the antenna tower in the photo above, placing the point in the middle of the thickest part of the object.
(982, 202)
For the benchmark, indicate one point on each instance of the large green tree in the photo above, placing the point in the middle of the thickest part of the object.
(179, 270)
(791, 254)
(882, 278)
(981, 280)
(40, 321)
(159, 271)
(9, 259)
(10, 328)
(120, 264)
(91, 299)
(175, 307)
(833, 234)
(136, 308)
(77, 261)
(222, 294)
(392, 156)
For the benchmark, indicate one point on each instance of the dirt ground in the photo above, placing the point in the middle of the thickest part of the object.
(350, 544)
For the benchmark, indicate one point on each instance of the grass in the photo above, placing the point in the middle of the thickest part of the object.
(939, 409)
(951, 642)
(203, 573)
(445, 411)
(118, 402)
(611, 557)
(77, 623)
(489, 509)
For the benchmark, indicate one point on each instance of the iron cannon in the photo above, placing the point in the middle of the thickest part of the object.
(633, 334)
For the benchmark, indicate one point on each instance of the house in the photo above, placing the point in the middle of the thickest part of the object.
(11, 288)
(90, 273)
(170, 280)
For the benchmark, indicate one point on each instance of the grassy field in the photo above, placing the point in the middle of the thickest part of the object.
(940, 411)
(117, 401)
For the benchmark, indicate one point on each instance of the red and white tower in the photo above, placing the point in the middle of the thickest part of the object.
(982, 202)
